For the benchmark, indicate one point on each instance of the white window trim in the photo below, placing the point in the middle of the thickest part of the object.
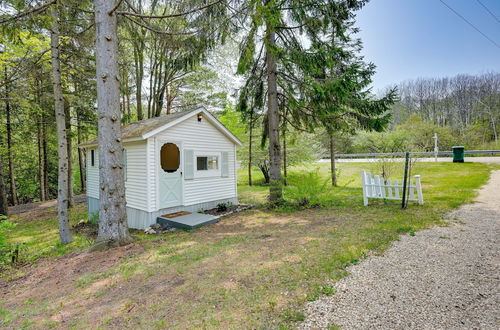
(207, 173)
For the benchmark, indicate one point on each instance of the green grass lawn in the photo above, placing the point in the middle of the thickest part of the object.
(252, 270)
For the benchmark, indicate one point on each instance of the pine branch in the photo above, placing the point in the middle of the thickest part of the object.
(35, 10)
(149, 28)
(136, 14)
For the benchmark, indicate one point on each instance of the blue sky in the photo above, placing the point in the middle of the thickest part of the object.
(408, 39)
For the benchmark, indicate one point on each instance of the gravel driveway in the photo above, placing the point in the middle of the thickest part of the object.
(441, 278)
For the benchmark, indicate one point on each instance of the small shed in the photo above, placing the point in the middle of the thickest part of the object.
(185, 161)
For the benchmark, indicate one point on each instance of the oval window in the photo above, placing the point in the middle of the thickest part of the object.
(169, 157)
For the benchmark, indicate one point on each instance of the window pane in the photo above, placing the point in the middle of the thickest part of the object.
(213, 163)
(202, 163)
(169, 157)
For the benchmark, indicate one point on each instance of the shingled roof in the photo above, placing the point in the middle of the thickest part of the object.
(138, 129)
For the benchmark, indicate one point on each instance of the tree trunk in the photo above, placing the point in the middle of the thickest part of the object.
(494, 126)
(45, 159)
(39, 135)
(169, 98)
(4, 209)
(81, 162)
(113, 229)
(69, 145)
(62, 182)
(284, 156)
(127, 96)
(139, 74)
(264, 168)
(332, 162)
(41, 172)
(250, 150)
(10, 157)
(275, 189)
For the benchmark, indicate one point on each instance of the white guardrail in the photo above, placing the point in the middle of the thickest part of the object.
(375, 187)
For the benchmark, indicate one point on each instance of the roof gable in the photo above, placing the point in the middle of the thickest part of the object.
(147, 128)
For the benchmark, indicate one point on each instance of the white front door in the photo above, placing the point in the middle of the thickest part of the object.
(169, 174)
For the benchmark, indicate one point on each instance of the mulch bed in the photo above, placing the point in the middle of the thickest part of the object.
(228, 210)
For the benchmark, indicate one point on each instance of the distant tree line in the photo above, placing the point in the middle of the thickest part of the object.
(457, 102)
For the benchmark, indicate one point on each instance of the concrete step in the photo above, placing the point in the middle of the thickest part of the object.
(188, 221)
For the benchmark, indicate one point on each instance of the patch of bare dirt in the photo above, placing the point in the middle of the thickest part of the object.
(137, 283)
(37, 206)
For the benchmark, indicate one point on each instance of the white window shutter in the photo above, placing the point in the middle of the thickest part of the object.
(188, 164)
(225, 164)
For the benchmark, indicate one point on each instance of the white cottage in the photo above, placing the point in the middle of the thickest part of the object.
(184, 161)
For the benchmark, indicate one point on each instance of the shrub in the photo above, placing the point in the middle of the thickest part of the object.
(222, 207)
(307, 189)
(280, 205)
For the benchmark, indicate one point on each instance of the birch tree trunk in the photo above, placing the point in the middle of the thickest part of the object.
(113, 229)
(275, 189)
(493, 126)
(62, 182)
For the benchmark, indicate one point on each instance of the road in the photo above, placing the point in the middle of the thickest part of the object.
(491, 160)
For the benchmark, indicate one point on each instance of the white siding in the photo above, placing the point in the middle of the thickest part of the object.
(136, 189)
(93, 174)
(198, 136)
(151, 174)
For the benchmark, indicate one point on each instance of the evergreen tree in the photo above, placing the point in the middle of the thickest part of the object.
(300, 54)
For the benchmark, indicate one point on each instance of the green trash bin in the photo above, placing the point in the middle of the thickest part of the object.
(458, 154)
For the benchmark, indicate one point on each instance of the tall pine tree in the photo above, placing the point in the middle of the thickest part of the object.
(299, 54)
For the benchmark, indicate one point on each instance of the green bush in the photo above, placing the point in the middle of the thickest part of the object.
(223, 207)
(306, 189)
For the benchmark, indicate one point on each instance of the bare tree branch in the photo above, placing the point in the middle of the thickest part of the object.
(118, 3)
